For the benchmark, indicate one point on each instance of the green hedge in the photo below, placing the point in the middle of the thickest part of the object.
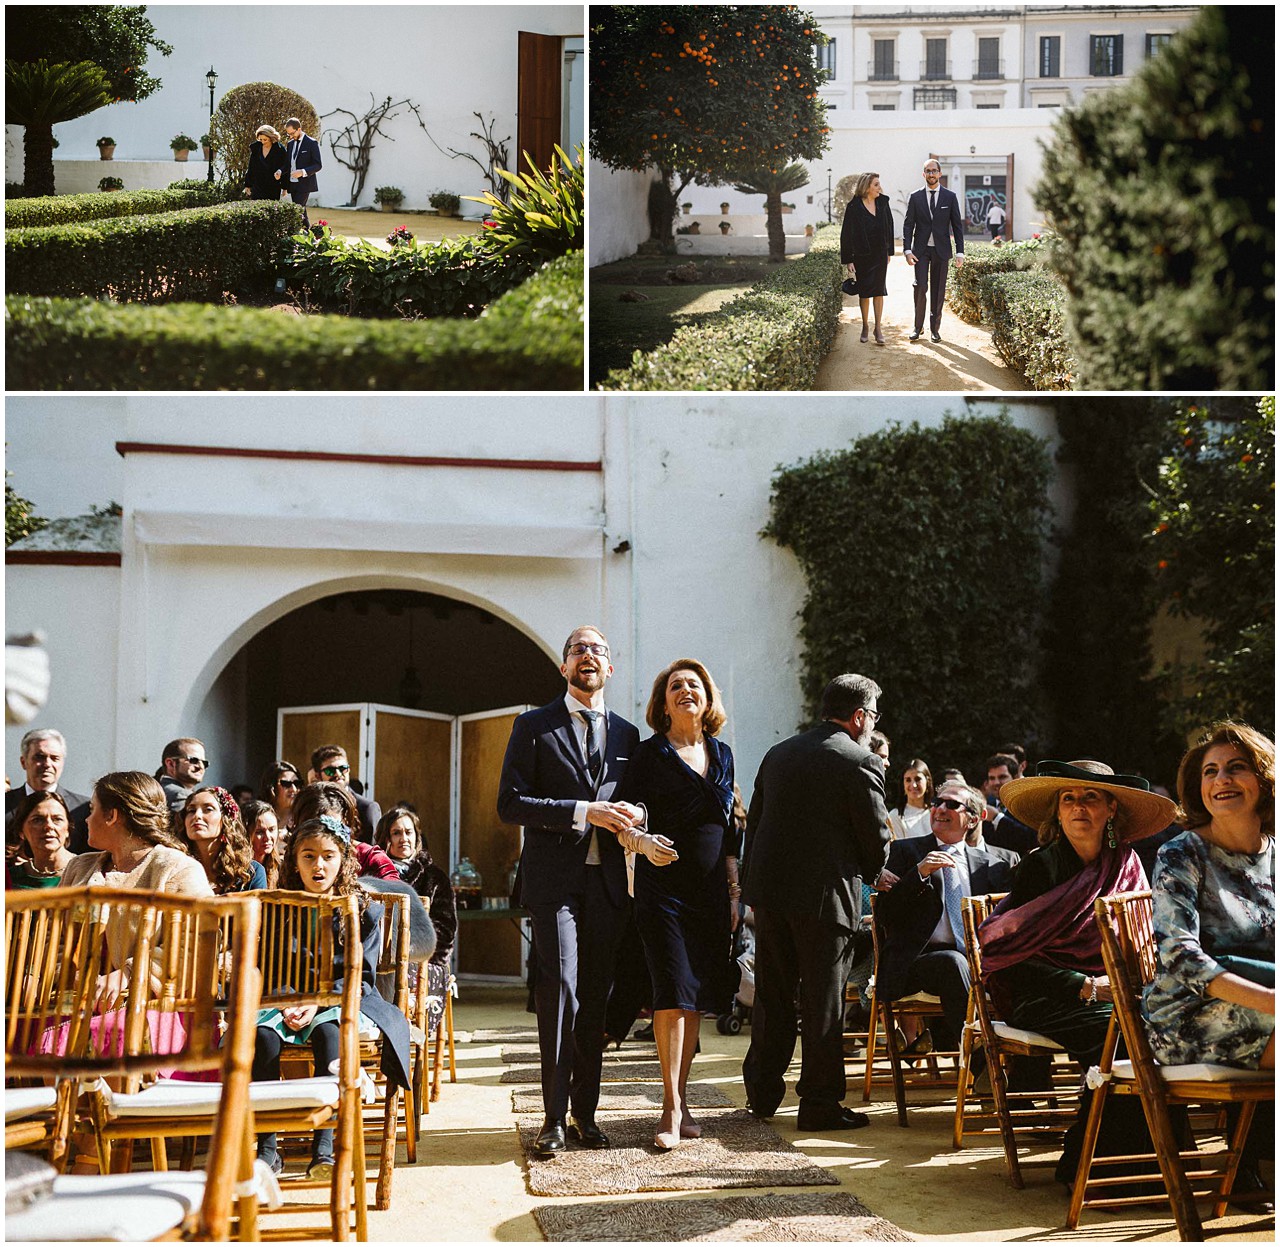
(531, 338)
(100, 205)
(772, 337)
(196, 254)
(963, 293)
(1027, 313)
(450, 278)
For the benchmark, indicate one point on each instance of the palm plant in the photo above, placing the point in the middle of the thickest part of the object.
(773, 184)
(544, 218)
(37, 96)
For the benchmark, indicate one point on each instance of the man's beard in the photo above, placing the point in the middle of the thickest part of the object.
(587, 681)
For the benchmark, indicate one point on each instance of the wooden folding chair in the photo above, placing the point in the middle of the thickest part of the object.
(444, 1039)
(296, 957)
(883, 1048)
(169, 960)
(1043, 1114)
(1129, 955)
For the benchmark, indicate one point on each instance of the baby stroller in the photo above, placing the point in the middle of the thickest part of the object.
(743, 965)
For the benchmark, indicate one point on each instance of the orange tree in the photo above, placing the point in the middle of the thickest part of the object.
(707, 94)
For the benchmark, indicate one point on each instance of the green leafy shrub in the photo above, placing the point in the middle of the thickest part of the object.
(66, 209)
(446, 202)
(450, 278)
(531, 338)
(969, 494)
(772, 337)
(1027, 313)
(14, 190)
(544, 217)
(241, 111)
(196, 254)
(183, 143)
(110, 184)
(392, 195)
(1163, 195)
(963, 295)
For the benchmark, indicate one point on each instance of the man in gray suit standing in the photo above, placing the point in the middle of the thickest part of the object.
(933, 218)
(817, 827)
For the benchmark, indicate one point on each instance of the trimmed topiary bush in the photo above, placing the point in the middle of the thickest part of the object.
(196, 254)
(772, 337)
(531, 338)
(1162, 193)
(97, 206)
(963, 283)
(1027, 313)
(241, 111)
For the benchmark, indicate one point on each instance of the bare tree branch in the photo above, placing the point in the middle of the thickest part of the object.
(352, 146)
(496, 149)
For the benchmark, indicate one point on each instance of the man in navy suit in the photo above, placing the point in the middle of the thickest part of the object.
(933, 219)
(563, 764)
(42, 755)
(922, 938)
(1000, 827)
(304, 164)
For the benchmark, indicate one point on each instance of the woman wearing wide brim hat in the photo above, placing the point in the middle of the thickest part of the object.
(1041, 951)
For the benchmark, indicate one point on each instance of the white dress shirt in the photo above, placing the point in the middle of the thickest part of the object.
(579, 724)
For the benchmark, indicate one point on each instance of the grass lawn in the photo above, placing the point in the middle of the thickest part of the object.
(621, 327)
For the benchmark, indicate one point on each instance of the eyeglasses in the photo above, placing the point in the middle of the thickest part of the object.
(581, 647)
(950, 804)
(875, 714)
(332, 772)
(288, 783)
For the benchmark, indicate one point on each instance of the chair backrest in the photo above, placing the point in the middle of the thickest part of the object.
(1129, 958)
(102, 981)
(393, 961)
(975, 911)
(302, 937)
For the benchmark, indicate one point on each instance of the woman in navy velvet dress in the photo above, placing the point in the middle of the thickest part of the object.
(686, 908)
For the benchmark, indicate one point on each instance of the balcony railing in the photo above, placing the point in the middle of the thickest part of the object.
(987, 71)
(935, 71)
(880, 72)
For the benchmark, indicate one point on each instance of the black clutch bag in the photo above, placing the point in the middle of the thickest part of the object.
(849, 286)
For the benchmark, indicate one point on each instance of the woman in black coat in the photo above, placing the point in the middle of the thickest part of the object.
(268, 171)
(866, 243)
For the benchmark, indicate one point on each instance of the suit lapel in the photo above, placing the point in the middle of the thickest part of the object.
(568, 739)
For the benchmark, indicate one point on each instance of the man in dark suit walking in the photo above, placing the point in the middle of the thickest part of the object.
(304, 164)
(42, 755)
(933, 218)
(817, 826)
(922, 931)
(563, 764)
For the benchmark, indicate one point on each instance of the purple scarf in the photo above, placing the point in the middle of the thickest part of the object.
(1059, 925)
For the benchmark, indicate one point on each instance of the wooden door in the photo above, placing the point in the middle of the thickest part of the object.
(412, 754)
(493, 947)
(539, 99)
(300, 729)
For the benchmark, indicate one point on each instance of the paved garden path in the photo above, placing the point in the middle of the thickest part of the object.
(965, 359)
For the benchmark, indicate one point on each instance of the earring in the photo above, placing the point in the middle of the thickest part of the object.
(1111, 833)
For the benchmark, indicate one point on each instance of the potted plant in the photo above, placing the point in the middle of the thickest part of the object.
(725, 227)
(400, 237)
(686, 208)
(695, 227)
(446, 203)
(110, 184)
(808, 231)
(207, 147)
(106, 148)
(183, 145)
(724, 209)
(787, 208)
(389, 197)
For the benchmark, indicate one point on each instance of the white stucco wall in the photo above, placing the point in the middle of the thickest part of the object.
(216, 548)
(618, 220)
(453, 60)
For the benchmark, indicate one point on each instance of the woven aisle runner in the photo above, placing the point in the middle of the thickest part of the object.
(622, 1097)
(625, 1071)
(804, 1217)
(735, 1150)
(504, 1034)
(527, 1054)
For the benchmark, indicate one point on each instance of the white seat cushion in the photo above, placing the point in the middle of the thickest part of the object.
(20, 1102)
(1123, 1072)
(113, 1208)
(1004, 1031)
(174, 1097)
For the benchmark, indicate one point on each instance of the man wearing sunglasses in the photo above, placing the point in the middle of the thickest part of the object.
(563, 764)
(184, 766)
(330, 764)
(920, 916)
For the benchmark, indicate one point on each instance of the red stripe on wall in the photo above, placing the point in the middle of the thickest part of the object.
(330, 456)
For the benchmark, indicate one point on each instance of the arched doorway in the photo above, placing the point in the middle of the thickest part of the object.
(420, 689)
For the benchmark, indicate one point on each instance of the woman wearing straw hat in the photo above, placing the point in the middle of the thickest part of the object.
(1041, 951)
(268, 171)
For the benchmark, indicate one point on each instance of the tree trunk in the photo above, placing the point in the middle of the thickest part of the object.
(773, 225)
(37, 153)
(662, 212)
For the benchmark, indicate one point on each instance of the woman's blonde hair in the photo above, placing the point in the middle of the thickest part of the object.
(863, 184)
(656, 716)
(138, 798)
(271, 130)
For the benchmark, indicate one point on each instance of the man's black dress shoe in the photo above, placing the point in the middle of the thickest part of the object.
(914, 337)
(935, 335)
(1250, 1194)
(839, 1118)
(587, 1133)
(550, 1141)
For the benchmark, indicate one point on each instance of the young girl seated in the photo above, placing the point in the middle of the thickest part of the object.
(320, 860)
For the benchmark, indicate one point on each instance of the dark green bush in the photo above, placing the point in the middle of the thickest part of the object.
(952, 647)
(963, 283)
(772, 337)
(97, 206)
(196, 254)
(1027, 313)
(1162, 192)
(450, 278)
(531, 338)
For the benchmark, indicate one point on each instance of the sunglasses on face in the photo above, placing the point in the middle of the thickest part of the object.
(947, 803)
(288, 783)
(194, 761)
(332, 772)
